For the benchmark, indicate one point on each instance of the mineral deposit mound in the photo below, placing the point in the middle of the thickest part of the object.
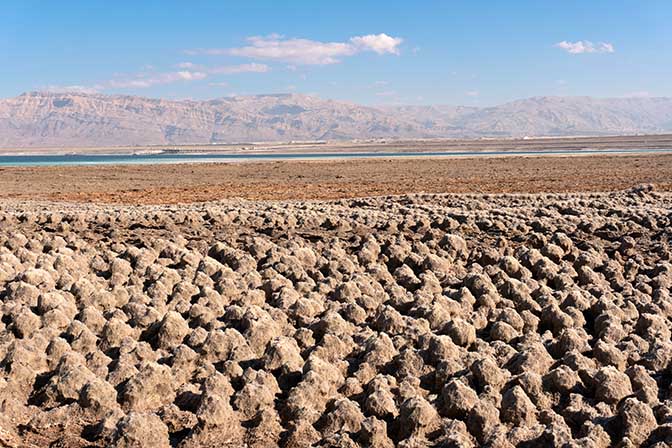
(412, 321)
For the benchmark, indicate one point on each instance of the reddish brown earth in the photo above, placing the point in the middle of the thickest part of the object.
(168, 184)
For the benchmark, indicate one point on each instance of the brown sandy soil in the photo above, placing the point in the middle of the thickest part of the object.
(288, 180)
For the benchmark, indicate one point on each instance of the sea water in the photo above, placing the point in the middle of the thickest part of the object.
(154, 158)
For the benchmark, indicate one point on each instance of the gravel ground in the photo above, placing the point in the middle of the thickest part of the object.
(411, 321)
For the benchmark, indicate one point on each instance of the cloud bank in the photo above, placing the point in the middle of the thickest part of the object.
(305, 51)
(242, 68)
(143, 80)
(273, 47)
(585, 46)
(140, 82)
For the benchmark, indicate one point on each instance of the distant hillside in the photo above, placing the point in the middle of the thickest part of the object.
(74, 119)
(557, 116)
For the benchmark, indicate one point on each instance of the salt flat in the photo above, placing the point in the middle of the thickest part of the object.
(416, 320)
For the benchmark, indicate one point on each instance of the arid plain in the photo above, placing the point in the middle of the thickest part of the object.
(334, 179)
(452, 302)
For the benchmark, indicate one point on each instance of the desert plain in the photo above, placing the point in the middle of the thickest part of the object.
(500, 301)
(334, 179)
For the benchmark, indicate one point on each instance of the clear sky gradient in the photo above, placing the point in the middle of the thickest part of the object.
(373, 52)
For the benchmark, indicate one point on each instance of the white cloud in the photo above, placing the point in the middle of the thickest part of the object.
(380, 83)
(298, 51)
(219, 84)
(242, 68)
(144, 81)
(72, 89)
(379, 43)
(472, 93)
(585, 46)
(186, 75)
(305, 51)
(387, 93)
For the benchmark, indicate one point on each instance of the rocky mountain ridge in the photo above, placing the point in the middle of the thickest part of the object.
(78, 119)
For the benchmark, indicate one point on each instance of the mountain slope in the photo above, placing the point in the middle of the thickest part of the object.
(73, 119)
(557, 116)
(51, 119)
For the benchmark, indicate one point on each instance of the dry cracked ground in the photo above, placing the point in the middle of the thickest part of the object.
(411, 321)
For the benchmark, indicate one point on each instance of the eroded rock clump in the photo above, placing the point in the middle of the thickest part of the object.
(452, 321)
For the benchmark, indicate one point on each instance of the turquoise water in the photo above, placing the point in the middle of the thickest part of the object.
(129, 159)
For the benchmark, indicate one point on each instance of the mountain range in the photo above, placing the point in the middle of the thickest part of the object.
(47, 119)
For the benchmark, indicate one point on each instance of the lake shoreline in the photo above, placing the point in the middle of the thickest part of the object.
(662, 141)
(177, 158)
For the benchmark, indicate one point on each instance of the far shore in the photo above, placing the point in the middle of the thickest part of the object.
(372, 145)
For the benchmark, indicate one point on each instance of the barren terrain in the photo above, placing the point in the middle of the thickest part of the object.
(169, 184)
(412, 321)
(279, 304)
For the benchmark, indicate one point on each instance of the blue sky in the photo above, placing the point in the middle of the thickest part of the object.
(373, 52)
